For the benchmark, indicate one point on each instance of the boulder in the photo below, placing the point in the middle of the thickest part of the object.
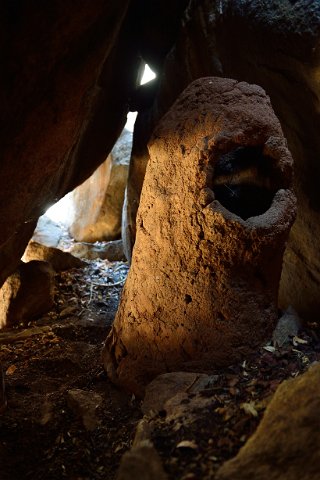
(47, 232)
(212, 224)
(286, 444)
(58, 259)
(27, 294)
(111, 251)
(168, 385)
(97, 203)
(69, 71)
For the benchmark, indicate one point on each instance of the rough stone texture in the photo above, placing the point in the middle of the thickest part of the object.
(287, 327)
(286, 445)
(27, 294)
(166, 386)
(141, 462)
(68, 73)
(112, 251)
(55, 95)
(85, 404)
(58, 259)
(97, 203)
(274, 44)
(203, 284)
(47, 232)
(139, 159)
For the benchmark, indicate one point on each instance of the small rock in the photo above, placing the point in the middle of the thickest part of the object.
(285, 445)
(57, 258)
(112, 251)
(84, 404)
(66, 312)
(168, 385)
(142, 462)
(288, 326)
(27, 294)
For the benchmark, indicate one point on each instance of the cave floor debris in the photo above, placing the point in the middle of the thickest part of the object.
(57, 358)
(42, 435)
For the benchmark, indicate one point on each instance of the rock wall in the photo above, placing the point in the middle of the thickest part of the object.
(68, 73)
(274, 44)
(97, 203)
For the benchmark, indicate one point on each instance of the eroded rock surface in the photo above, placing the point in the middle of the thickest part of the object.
(58, 259)
(215, 212)
(286, 443)
(69, 71)
(27, 294)
(97, 203)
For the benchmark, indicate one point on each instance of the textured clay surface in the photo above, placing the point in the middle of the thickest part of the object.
(202, 288)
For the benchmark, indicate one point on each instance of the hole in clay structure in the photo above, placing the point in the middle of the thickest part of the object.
(244, 181)
(188, 299)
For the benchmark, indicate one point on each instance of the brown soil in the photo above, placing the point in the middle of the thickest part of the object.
(41, 436)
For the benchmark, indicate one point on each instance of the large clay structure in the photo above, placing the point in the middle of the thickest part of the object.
(274, 44)
(216, 209)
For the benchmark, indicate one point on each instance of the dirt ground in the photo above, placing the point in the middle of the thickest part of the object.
(45, 434)
(41, 435)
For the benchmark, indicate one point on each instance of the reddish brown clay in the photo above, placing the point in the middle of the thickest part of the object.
(216, 208)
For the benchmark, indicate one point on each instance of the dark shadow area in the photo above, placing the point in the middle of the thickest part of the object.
(245, 182)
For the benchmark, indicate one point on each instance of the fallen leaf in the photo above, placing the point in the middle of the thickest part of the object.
(269, 348)
(249, 408)
(11, 370)
(299, 341)
(187, 444)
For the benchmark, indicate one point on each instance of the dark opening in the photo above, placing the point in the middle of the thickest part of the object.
(188, 298)
(244, 181)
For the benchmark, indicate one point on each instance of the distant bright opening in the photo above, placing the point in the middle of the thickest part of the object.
(63, 211)
(147, 76)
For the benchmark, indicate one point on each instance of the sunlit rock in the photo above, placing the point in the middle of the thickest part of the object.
(97, 203)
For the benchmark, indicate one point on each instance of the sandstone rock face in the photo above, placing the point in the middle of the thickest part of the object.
(27, 294)
(98, 201)
(68, 73)
(57, 92)
(111, 251)
(141, 462)
(274, 44)
(286, 445)
(216, 209)
(47, 232)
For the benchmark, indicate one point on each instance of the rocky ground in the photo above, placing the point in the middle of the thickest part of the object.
(64, 419)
